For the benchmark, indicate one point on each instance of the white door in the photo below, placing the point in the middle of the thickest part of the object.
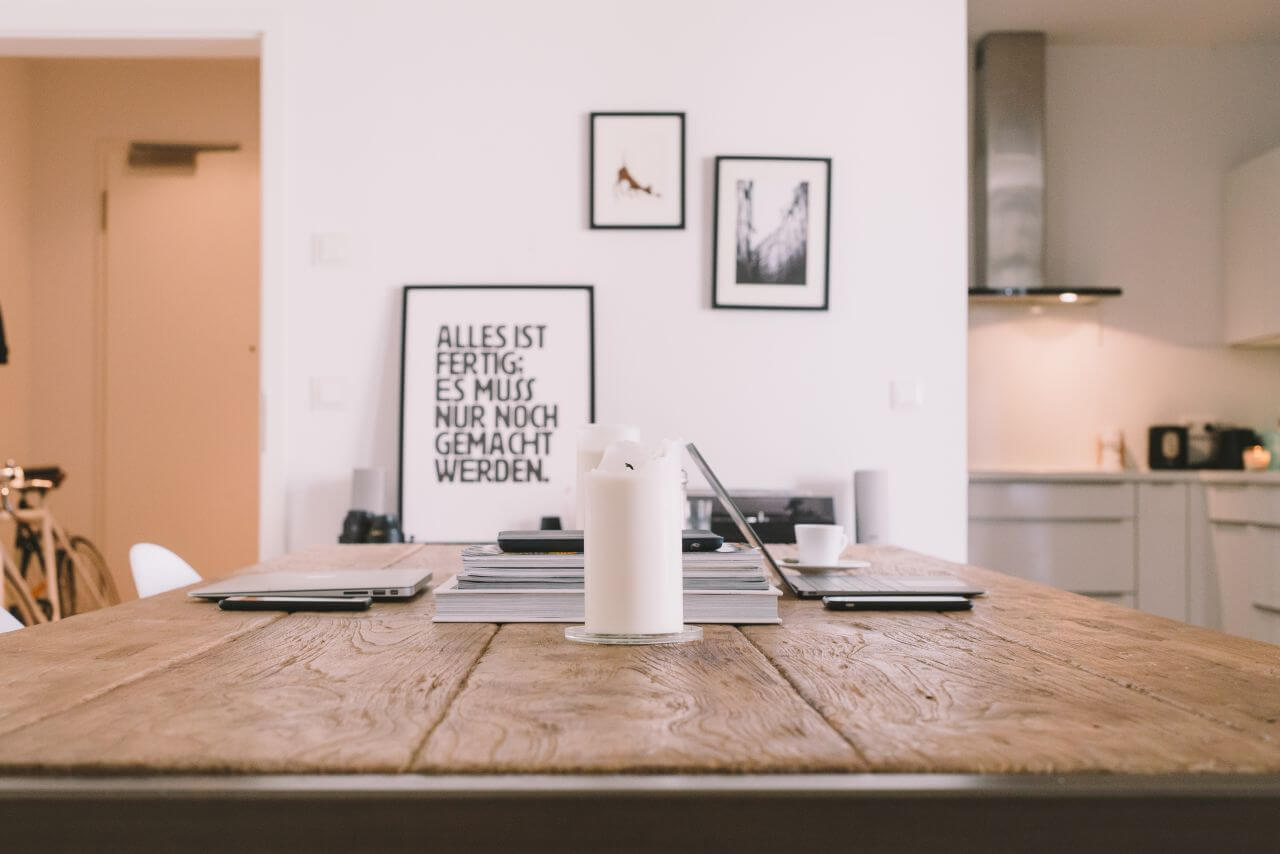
(180, 364)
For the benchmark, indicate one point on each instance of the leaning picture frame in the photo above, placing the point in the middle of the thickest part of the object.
(495, 383)
(636, 170)
(771, 233)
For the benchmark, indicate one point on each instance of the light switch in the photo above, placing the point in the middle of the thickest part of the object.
(906, 394)
(330, 250)
(328, 394)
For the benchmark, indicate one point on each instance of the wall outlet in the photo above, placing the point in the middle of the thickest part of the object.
(328, 394)
(906, 394)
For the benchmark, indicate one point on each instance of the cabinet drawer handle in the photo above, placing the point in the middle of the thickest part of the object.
(1043, 519)
(1246, 523)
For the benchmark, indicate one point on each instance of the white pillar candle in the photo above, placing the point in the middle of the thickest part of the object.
(592, 440)
(633, 573)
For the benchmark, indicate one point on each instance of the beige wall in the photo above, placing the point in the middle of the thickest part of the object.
(15, 256)
(75, 105)
(1138, 142)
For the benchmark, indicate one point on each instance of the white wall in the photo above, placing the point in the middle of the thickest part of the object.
(1138, 142)
(449, 142)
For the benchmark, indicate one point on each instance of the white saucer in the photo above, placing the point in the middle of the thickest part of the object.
(815, 568)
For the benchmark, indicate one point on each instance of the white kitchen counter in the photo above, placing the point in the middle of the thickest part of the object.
(1134, 476)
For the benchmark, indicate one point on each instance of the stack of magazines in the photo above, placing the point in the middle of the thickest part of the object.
(728, 585)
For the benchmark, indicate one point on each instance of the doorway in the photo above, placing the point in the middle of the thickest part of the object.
(137, 318)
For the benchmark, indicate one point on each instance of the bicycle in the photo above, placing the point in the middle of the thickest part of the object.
(54, 575)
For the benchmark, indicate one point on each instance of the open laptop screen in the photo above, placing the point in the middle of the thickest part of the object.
(735, 513)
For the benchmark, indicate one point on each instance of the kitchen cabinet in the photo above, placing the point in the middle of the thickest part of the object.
(1244, 521)
(1251, 251)
(1204, 588)
(1077, 536)
(1162, 557)
(1203, 547)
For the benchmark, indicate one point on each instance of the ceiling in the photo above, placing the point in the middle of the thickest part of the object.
(1193, 22)
(229, 45)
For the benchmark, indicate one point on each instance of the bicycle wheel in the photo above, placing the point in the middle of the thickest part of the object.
(95, 568)
(67, 585)
(23, 605)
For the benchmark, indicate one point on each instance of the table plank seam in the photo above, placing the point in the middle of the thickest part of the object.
(782, 672)
(1127, 684)
(412, 553)
(444, 711)
(145, 673)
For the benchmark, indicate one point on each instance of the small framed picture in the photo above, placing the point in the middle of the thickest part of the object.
(637, 170)
(770, 246)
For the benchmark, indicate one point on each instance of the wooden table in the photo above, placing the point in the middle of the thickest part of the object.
(1039, 718)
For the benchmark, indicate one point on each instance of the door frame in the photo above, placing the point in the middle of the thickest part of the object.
(120, 29)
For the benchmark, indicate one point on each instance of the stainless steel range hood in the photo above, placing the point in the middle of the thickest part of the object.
(1009, 175)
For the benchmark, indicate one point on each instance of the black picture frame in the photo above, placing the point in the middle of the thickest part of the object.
(591, 172)
(406, 295)
(716, 301)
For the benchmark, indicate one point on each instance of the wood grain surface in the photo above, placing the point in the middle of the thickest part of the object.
(52, 667)
(310, 692)
(1032, 680)
(933, 692)
(1222, 677)
(538, 703)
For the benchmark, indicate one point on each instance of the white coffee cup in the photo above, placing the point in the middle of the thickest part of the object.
(820, 545)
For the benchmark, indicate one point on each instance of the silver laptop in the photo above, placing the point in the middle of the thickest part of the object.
(832, 584)
(379, 583)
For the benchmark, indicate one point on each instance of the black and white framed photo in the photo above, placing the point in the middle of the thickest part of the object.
(770, 246)
(637, 170)
(496, 381)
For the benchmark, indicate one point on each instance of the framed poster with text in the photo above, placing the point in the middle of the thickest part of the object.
(495, 381)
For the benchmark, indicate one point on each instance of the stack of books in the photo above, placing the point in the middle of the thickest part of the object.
(724, 586)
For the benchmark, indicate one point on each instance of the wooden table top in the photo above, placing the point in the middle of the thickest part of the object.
(1032, 680)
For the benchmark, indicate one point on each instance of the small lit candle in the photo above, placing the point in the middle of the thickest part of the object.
(1256, 458)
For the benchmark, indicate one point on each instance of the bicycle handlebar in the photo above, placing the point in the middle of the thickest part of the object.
(53, 474)
(36, 477)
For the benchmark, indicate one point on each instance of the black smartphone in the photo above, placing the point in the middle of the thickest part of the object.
(896, 603)
(571, 541)
(296, 603)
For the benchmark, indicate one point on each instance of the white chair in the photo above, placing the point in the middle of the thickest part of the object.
(157, 570)
(8, 622)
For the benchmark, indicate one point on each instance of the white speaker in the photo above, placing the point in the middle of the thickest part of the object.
(369, 490)
(871, 506)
